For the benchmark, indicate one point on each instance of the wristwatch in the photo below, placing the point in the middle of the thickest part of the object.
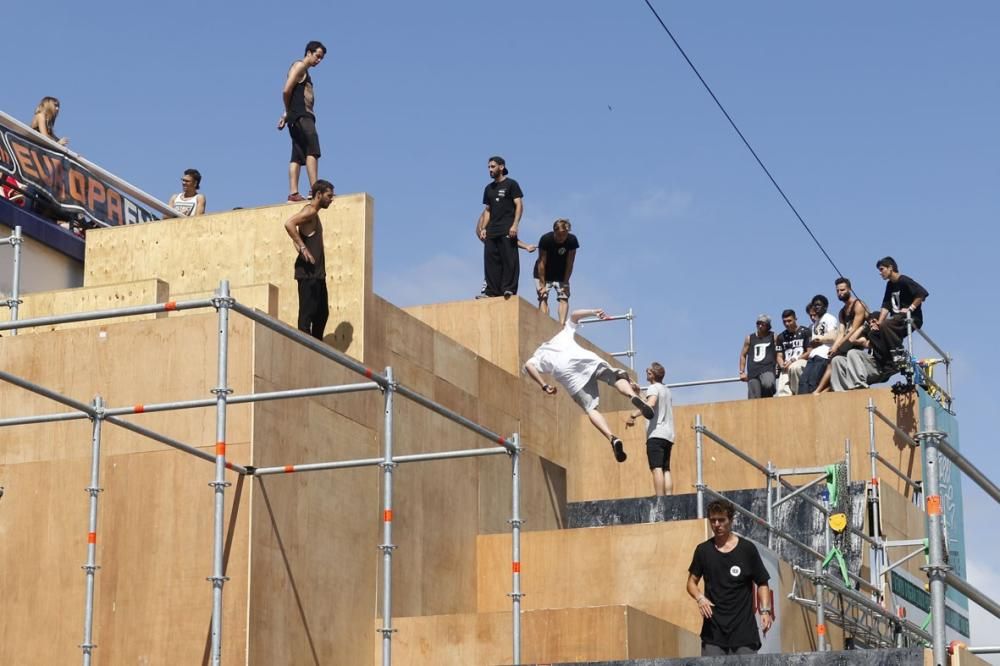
(764, 610)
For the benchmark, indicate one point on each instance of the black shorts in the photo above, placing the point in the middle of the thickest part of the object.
(658, 453)
(305, 141)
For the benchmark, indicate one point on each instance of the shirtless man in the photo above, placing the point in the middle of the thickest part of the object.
(306, 231)
(298, 98)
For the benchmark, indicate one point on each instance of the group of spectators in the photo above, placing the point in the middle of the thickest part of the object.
(855, 349)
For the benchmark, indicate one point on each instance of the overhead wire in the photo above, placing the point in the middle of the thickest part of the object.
(743, 138)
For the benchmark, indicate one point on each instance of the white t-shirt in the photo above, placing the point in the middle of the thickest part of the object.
(564, 359)
(826, 324)
(185, 205)
(662, 424)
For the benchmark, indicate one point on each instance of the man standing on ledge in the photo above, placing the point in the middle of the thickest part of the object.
(579, 370)
(306, 231)
(731, 566)
(298, 98)
(497, 227)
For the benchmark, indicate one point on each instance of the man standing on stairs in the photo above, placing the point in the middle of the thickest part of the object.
(579, 370)
(659, 430)
(306, 231)
(730, 566)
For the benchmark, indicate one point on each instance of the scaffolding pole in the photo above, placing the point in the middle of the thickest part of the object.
(93, 315)
(877, 552)
(222, 303)
(14, 302)
(193, 404)
(937, 568)
(90, 568)
(699, 483)
(387, 546)
(515, 547)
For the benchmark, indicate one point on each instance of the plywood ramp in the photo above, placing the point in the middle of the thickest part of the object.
(600, 633)
(800, 431)
(246, 247)
(104, 297)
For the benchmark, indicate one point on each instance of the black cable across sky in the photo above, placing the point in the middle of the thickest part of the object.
(744, 139)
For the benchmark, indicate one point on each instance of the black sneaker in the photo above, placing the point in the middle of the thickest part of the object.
(641, 405)
(619, 449)
(507, 294)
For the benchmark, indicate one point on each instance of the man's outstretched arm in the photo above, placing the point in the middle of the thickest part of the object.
(577, 315)
(532, 371)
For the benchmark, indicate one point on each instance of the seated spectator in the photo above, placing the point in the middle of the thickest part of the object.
(903, 297)
(189, 202)
(859, 368)
(44, 120)
(851, 318)
(822, 335)
(758, 360)
(792, 344)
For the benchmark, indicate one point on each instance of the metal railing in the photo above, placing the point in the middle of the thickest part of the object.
(934, 389)
(223, 303)
(629, 316)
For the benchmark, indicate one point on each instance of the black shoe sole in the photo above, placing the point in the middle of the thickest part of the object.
(619, 449)
(646, 410)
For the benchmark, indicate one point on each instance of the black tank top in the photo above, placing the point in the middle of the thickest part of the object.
(314, 243)
(297, 105)
(762, 356)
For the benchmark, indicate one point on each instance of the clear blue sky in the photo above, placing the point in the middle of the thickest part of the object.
(878, 119)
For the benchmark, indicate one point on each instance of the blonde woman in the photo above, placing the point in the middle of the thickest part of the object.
(45, 119)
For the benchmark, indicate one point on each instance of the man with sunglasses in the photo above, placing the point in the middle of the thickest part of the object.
(758, 360)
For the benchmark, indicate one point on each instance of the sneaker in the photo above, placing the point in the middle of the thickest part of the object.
(508, 294)
(296, 197)
(619, 449)
(480, 296)
(640, 404)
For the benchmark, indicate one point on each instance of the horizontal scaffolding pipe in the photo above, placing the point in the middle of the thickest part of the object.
(985, 649)
(704, 382)
(169, 306)
(899, 431)
(952, 454)
(92, 413)
(837, 586)
(972, 593)
(596, 320)
(192, 404)
(371, 462)
(343, 359)
(945, 356)
(799, 490)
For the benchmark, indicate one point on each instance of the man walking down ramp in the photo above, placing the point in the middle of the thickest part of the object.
(579, 370)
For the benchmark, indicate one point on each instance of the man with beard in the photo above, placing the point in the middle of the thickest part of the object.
(792, 344)
(851, 318)
(858, 368)
(306, 231)
(497, 228)
(822, 335)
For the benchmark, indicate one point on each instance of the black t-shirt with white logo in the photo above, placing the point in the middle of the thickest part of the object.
(729, 585)
(556, 255)
(500, 199)
(900, 294)
(761, 355)
(792, 345)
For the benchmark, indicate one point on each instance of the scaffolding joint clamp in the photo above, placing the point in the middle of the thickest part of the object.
(515, 522)
(387, 547)
(936, 570)
(516, 596)
(220, 484)
(251, 470)
(388, 465)
(220, 302)
(90, 490)
(386, 633)
(90, 568)
(87, 647)
(222, 391)
(218, 581)
(11, 302)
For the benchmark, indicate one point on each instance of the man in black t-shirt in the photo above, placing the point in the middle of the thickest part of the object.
(792, 344)
(731, 566)
(556, 254)
(758, 360)
(903, 296)
(497, 227)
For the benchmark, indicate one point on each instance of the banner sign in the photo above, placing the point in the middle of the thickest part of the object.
(71, 184)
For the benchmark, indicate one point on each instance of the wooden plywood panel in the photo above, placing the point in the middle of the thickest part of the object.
(263, 297)
(543, 493)
(552, 635)
(154, 548)
(128, 364)
(105, 297)
(246, 247)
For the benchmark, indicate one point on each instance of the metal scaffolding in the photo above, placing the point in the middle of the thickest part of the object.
(629, 316)
(223, 303)
(14, 301)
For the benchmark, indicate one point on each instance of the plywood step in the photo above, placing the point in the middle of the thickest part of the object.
(895, 657)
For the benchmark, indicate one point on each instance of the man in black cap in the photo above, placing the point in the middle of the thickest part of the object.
(497, 228)
(758, 360)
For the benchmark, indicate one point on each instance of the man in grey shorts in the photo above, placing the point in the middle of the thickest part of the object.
(579, 370)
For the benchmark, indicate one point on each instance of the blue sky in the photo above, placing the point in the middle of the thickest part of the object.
(878, 120)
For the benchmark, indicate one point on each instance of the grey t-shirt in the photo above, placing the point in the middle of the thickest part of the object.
(662, 424)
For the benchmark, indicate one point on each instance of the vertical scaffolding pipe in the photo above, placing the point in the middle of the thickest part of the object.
(936, 566)
(387, 547)
(222, 303)
(909, 334)
(770, 505)
(15, 286)
(699, 471)
(91, 567)
(515, 546)
(877, 553)
(820, 609)
(631, 343)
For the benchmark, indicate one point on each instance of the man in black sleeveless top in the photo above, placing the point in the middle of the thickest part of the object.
(758, 360)
(298, 98)
(306, 231)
